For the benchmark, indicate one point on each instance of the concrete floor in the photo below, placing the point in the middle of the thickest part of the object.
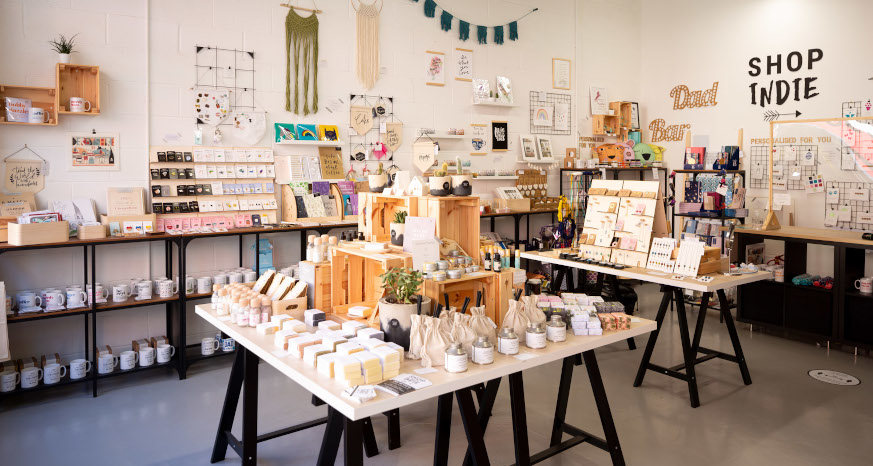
(784, 417)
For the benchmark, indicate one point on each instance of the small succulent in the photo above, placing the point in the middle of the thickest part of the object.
(460, 167)
(400, 216)
(402, 285)
(62, 44)
(379, 170)
(443, 171)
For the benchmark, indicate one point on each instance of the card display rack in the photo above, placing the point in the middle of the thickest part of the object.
(693, 174)
(760, 169)
(859, 207)
(256, 189)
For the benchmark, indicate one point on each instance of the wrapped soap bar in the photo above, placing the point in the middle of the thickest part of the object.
(371, 333)
(390, 361)
(353, 326)
(360, 311)
(280, 338)
(397, 348)
(324, 364)
(371, 367)
(267, 328)
(580, 331)
(264, 281)
(295, 325)
(622, 321)
(593, 323)
(347, 369)
(280, 319)
(595, 331)
(328, 325)
(313, 316)
(369, 344)
(296, 291)
(314, 351)
(332, 341)
(348, 348)
(297, 345)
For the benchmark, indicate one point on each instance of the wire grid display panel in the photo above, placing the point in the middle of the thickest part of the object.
(551, 99)
(854, 142)
(230, 69)
(760, 163)
(360, 146)
(858, 207)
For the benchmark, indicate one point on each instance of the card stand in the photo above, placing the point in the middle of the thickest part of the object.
(457, 219)
(496, 289)
(289, 208)
(355, 276)
(378, 214)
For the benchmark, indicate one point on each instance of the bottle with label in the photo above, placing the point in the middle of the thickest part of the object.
(310, 244)
(266, 309)
(535, 336)
(254, 312)
(496, 265)
(242, 313)
(483, 351)
(316, 250)
(556, 330)
(507, 342)
(486, 264)
(221, 307)
(456, 358)
(518, 258)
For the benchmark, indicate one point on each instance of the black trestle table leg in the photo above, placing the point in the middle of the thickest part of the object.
(370, 447)
(686, 349)
(333, 432)
(228, 411)
(666, 299)
(443, 430)
(735, 339)
(519, 419)
(603, 408)
(563, 399)
(486, 404)
(352, 442)
(701, 317)
(475, 437)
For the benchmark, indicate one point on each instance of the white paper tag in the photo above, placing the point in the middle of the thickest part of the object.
(655, 173)
(383, 128)
(425, 370)
(524, 356)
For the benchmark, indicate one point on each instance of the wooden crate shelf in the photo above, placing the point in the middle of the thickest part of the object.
(40, 97)
(496, 288)
(376, 212)
(457, 218)
(355, 276)
(77, 81)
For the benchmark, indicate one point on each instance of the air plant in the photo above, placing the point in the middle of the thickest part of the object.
(62, 44)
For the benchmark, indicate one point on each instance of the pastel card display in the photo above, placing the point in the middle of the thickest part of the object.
(833, 195)
(285, 132)
(307, 133)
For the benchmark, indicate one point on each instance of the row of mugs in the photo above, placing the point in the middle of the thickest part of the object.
(209, 345)
(53, 373)
(52, 299)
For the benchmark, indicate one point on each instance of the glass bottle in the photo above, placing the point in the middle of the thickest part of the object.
(333, 242)
(254, 313)
(221, 306)
(316, 251)
(242, 312)
(309, 248)
(234, 308)
(266, 309)
(487, 262)
(496, 263)
(215, 296)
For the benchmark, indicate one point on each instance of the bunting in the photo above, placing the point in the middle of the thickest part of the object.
(446, 18)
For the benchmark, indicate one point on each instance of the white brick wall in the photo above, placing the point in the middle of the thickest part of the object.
(147, 59)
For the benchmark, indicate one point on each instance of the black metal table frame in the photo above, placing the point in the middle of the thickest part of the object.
(691, 347)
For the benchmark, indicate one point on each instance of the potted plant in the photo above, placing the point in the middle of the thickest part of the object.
(63, 46)
(440, 183)
(462, 185)
(400, 302)
(378, 181)
(397, 227)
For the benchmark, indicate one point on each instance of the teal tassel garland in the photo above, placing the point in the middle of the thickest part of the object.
(463, 30)
(498, 35)
(430, 8)
(482, 34)
(446, 21)
(513, 30)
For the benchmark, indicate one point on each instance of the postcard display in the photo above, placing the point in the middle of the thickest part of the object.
(622, 218)
(223, 187)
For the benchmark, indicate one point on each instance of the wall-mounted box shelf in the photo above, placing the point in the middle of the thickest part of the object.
(78, 81)
(41, 97)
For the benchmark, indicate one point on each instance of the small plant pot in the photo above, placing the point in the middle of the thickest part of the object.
(63, 58)
(394, 320)
(440, 185)
(378, 183)
(397, 233)
(462, 185)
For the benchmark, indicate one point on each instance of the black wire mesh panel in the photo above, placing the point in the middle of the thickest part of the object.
(230, 69)
(760, 163)
(760, 167)
(360, 145)
(548, 99)
(857, 222)
(795, 182)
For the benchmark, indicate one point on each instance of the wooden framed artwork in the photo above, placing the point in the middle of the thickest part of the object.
(435, 68)
(479, 142)
(561, 73)
(463, 65)
(90, 151)
(635, 115)
(499, 136)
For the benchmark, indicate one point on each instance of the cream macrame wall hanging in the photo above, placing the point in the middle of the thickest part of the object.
(301, 34)
(367, 60)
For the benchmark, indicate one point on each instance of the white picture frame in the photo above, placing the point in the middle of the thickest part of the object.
(529, 147)
(544, 148)
(81, 147)
(435, 68)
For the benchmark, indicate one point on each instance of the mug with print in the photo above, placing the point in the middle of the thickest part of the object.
(76, 297)
(9, 379)
(99, 292)
(228, 345)
(208, 346)
(79, 368)
(143, 290)
(146, 356)
(30, 377)
(250, 276)
(107, 363)
(220, 279)
(204, 284)
(38, 115)
(234, 277)
(156, 282)
(167, 288)
(190, 284)
(127, 360)
(164, 353)
(120, 293)
(28, 300)
(78, 105)
(864, 285)
(53, 373)
(55, 300)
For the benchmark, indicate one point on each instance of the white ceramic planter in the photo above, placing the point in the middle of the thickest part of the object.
(395, 322)
(440, 185)
(397, 230)
(63, 58)
(462, 185)
(378, 183)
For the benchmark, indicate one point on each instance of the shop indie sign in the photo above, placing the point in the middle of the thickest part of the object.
(779, 91)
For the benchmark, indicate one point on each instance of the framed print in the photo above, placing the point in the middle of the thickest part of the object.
(599, 101)
(561, 73)
(543, 115)
(544, 144)
(435, 68)
(93, 151)
(528, 147)
(499, 136)
(635, 115)
(480, 138)
(463, 65)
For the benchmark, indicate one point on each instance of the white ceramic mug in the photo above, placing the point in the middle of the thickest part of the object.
(98, 291)
(79, 368)
(234, 277)
(167, 288)
(55, 300)
(144, 290)
(120, 293)
(38, 115)
(208, 346)
(164, 353)
(228, 345)
(28, 300)
(9, 379)
(53, 373)
(864, 285)
(78, 104)
(127, 360)
(250, 276)
(190, 284)
(30, 377)
(220, 279)
(204, 284)
(76, 297)
(146, 356)
(107, 363)
(156, 282)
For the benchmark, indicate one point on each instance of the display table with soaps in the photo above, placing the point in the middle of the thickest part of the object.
(349, 418)
(672, 286)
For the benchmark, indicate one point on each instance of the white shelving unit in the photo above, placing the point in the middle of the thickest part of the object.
(495, 178)
(444, 135)
(308, 143)
(539, 162)
(493, 104)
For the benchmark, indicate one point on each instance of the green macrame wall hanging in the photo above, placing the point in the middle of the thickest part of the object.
(446, 18)
(301, 34)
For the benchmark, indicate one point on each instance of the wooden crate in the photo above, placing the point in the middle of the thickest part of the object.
(293, 307)
(457, 218)
(289, 208)
(92, 231)
(496, 291)
(38, 233)
(78, 81)
(355, 275)
(45, 98)
(317, 277)
(376, 212)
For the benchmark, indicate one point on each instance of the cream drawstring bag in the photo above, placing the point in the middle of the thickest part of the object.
(447, 318)
(482, 325)
(516, 319)
(461, 331)
(435, 343)
(531, 311)
(416, 336)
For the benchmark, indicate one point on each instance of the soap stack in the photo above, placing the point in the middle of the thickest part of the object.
(371, 367)
(347, 369)
(584, 321)
(313, 316)
(389, 359)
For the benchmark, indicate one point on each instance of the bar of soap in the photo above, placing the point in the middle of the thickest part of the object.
(595, 331)
(348, 348)
(353, 326)
(593, 323)
(324, 364)
(360, 311)
(313, 316)
(387, 356)
(314, 351)
(280, 319)
(397, 348)
(264, 281)
(580, 331)
(295, 325)
(296, 291)
(371, 333)
(280, 338)
(296, 346)
(332, 341)
(348, 370)
(371, 367)
(267, 328)
(274, 284)
(370, 344)
(328, 325)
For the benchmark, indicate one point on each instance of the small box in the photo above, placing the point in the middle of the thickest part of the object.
(139, 344)
(92, 231)
(158, 341)
(38, 233)
(103, 350)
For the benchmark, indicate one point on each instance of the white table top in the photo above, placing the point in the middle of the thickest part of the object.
(329, 390)
(719, 282)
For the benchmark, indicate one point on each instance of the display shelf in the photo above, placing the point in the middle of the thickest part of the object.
(117, 372)
(77, 81)
(539, 162)
(295, 142)
(32, 316)
(40, 97)
(192, 354)
(735, 172)
(132, 303)
(858, 294)
(819, 289)
(494, 104)
(65, 381)
(496, 177)
(717, 217)
(443, 135)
